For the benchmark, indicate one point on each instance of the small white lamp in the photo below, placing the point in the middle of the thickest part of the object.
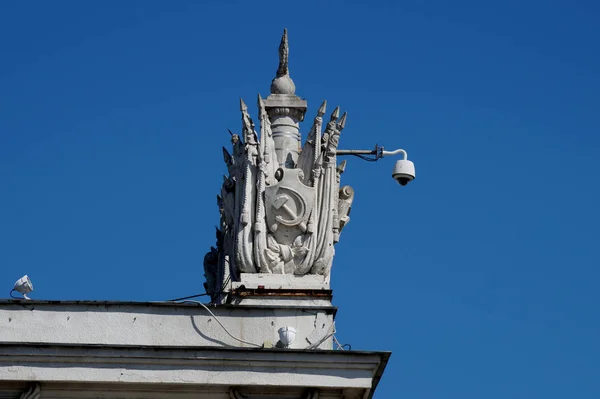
(24, 286)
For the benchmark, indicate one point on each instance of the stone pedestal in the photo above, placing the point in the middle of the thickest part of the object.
(282, 281)
(308, 292)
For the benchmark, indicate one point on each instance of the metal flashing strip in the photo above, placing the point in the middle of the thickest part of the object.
(41, 304)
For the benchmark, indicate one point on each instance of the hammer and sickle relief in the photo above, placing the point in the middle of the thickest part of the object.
(290, 208)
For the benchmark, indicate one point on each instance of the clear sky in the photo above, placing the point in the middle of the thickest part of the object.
(482, 276)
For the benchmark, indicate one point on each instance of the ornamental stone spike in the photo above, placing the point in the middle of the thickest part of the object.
(335, 114)
(227, 157)
(322, 109)
(284, 52)
(286, 110)
(243, 106)
(283, 83)
(260, 102)
(342, 121)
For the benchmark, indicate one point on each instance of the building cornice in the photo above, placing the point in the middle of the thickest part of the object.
(191, 365)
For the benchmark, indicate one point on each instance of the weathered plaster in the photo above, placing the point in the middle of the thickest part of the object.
(112, 323)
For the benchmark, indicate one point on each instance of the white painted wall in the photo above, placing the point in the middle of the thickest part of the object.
(160, 324)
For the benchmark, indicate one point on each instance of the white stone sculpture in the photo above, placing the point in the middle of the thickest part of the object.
(282, 208)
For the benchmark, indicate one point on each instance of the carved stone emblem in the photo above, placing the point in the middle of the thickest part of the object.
(281, 206)
(289, 204)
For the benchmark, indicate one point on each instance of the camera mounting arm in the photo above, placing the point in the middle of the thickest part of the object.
(378, 153)
(404, 170)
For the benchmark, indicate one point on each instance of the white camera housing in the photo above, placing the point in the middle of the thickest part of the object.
(404, 171)
(24, 286)
(287, 335)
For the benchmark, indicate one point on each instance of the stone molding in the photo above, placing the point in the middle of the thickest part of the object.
(309, 394)
(187, 366)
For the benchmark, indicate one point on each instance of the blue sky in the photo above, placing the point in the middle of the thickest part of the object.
(481, 275)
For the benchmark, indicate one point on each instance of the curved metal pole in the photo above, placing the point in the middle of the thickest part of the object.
(398, 151)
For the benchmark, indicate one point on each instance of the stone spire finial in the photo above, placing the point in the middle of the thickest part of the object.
(284, 52)
(283, 84)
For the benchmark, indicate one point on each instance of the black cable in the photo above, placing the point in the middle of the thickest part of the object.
(227, 280)
(188, 297)
(196, 296)
(11, 294)
(365, 158)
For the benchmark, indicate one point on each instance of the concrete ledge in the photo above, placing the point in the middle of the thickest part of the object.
(281, 281)
(286, 101)
(205, 366)
(114, 323)
(91, 390)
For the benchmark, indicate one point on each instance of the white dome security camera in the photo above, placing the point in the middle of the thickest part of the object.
(404, 171)
(24, 286)
(287, 335)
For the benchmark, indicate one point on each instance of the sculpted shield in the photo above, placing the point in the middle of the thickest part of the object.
(288, 205)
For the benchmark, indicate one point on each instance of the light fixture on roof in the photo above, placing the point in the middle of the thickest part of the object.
(23, 286)
(287, 335)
